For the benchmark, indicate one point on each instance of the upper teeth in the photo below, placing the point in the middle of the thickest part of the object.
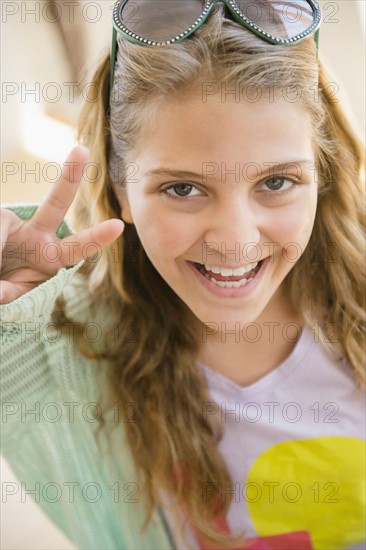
(228, 272)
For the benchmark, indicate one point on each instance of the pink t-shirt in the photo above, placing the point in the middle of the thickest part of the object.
(294, 444)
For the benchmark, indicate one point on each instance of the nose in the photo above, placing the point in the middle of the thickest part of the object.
(233, 232)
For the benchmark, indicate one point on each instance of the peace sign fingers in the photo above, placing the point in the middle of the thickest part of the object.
(53, 208)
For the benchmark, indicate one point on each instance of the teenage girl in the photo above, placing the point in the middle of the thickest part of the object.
(191, 376)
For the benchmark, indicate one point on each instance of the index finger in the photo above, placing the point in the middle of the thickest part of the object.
(51, 212)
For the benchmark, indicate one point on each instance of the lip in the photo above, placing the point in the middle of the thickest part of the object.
(231, 292)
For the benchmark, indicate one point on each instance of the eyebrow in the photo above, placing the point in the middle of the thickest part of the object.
(269, 168)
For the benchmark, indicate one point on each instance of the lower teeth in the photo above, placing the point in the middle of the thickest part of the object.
(228, 284)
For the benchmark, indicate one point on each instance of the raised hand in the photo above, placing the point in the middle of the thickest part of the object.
(24, 263)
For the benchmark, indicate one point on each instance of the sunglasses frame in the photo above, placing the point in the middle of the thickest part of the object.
(120, 28)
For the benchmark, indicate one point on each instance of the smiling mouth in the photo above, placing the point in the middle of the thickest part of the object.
(228, 281)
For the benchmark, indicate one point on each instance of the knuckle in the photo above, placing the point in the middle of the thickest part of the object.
(4, 295)
(55, 202)
(38, 225)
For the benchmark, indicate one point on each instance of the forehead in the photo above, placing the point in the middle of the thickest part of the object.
(268, 130)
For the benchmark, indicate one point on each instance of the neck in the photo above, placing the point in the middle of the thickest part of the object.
(251, 351)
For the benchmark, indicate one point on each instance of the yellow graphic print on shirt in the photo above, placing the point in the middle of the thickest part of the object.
(315, 485)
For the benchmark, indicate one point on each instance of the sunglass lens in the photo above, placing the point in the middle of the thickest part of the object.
(282, 18)
(160, 20)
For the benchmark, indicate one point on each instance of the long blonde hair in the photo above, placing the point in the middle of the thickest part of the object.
(155, 368)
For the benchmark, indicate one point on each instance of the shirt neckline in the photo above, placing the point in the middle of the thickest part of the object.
(217, 380)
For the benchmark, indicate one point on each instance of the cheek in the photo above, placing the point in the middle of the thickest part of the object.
(166, 236)
(292, 227)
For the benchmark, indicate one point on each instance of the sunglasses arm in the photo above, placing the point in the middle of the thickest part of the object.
(316, 37)
(113, 58)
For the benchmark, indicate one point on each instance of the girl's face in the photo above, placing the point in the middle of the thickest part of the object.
(219, 185)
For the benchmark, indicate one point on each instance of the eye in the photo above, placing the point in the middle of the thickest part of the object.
(279, 183)
(180, 190)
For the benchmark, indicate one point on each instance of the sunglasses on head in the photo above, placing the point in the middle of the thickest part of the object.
(163, 22)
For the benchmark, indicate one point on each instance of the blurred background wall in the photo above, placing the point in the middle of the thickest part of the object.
(39, 108)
